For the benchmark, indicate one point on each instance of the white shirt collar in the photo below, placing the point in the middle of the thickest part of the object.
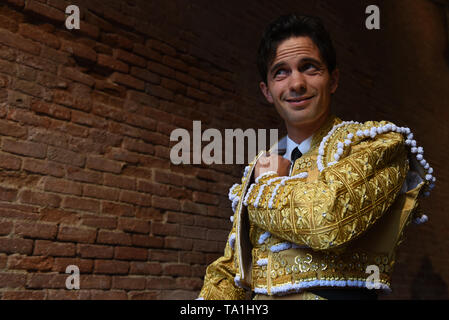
(303, 146)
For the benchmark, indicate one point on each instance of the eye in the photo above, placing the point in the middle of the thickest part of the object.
(280, 73)
(309, 68)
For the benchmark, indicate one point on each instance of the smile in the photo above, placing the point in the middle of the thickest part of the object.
(298, 102)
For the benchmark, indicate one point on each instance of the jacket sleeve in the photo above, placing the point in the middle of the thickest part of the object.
(220, 282)
(341, 204)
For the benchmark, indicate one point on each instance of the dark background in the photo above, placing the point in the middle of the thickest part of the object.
(86, 116)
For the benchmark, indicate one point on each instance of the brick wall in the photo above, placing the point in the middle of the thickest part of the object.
(86, 115)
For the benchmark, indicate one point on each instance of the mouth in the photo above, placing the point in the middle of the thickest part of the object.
(299, 102)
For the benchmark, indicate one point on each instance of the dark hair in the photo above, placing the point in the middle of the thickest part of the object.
(293, 25)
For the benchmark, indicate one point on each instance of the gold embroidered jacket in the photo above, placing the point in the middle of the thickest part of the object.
(342, 209)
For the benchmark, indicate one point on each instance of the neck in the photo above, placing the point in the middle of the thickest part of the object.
(299, 133)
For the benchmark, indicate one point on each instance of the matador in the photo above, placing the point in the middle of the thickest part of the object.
(329, 202)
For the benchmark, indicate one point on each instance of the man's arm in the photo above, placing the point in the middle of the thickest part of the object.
(344, 202)
(219, 281)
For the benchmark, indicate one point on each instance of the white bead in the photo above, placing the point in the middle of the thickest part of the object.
(340, 151)
(430, 170)
(410, 136)
(366, 133)
(414, 150)
(428, 177)
(413, 143)
(425, 164)
(359, 133)
(388, 126)
(419, 156)
(347, 142)
(420, 150)
(434, 179)
(339, 145)
(394, 127)
(350, 136)
(407, 130)
(431, 186)
(408, 142)
(336, 157)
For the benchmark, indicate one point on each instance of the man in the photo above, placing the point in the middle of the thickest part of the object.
(327, 205)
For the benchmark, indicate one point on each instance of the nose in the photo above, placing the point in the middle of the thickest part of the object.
(297, 82)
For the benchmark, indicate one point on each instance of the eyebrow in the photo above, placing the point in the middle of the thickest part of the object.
(305, 59)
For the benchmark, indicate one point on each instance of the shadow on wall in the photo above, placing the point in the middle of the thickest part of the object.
(427, 277)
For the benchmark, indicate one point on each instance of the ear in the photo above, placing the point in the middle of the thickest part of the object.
(264, 88)
(335, 76)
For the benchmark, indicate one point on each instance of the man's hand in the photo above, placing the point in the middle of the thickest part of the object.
(273, 162)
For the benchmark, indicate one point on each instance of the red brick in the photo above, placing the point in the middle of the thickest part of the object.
(8, 194)
(39, 198)
(37, 63)
(35, 33)
(127, 80)
(145, 75)
(62, 186)
(81, 204)
(117, 209)
(24, 295)
(76, 234)
(178, 243)
(44, 10)
(111, 267)
(166, 203)
(95, 251)
(83, 175)
(26, 117)
(146, 241)
(129, 57)
(137, 146)
(12, 280)
(47, 280)
(133, 225)
(164, 255)
(101, 192)
(14, 245)
(192, 257)
(165, 283)
(52, 110)
(84, 265)
(102, 222)
(108, 295)
(76, 75)
(121, 182)
(175, 269)
(175, 63)
(13, 40)
(66, 156)
(55, 249)
(161, 46)
(88, 119)
(206, 198)
(36, 230)
(205, 246)
(5, 229)
(79, 50)
(8, 23)
(189, 206)
(40, 263)
(101, 164)
(194, 232)
(180, 218)
(147, 52)
(130, 253)
(160, 92)
(30, 149)
(165, 229)
(123, 155)
(64, 294)
(143, 295)
(12, 129)
(136, 198)
(147, 268)
(128, 283)
(110, 63)
(189, 283)
(43, 167)
(113, 237)
(167, 177)
(95, 282)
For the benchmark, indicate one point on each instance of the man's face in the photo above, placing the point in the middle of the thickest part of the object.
(298, 82)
